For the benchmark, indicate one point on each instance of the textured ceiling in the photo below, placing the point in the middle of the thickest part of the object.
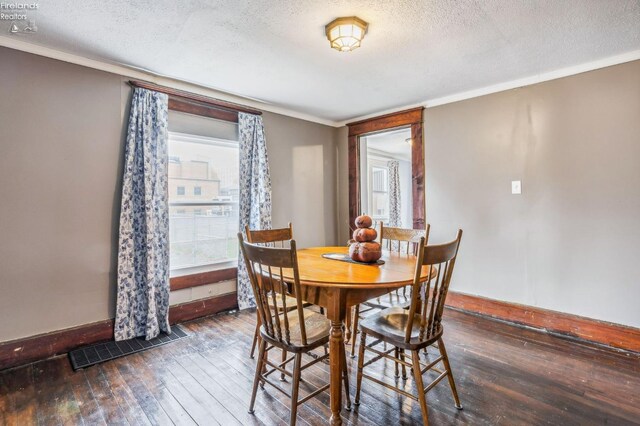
(276, 51)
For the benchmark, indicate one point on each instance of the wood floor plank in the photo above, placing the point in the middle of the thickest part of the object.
(214, 366)
(89, 407)
(309, 411)
(274, 401)
(319, 375)
(145, 399)
(505, 375)
(169, 404)
(310, 382)
(19, 393)
(219, 392)
(8, 411)
(123, 395)
(113, 414)
(195, 409)
(56, 402)
(217, 410)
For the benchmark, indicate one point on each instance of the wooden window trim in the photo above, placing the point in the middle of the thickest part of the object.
(204, 106)
(411, 118)
(196, 101)
(203, 278)
(202, 109)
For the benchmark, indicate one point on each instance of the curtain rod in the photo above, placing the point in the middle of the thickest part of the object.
(181, 94)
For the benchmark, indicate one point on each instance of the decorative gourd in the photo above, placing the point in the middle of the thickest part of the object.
(364, 235)
(365, 252)
(364, 221)
(362, 248)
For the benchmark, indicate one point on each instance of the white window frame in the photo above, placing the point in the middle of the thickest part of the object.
(379, 164)
(213, 266)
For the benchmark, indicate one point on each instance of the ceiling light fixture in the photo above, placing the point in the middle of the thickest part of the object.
(408, 140)
(346, 34)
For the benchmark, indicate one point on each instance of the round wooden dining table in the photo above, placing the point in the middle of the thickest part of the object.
(337, 286)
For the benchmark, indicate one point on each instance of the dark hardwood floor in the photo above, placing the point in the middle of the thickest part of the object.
(505, 375)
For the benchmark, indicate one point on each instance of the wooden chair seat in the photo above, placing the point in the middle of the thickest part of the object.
(290, 303)
(317, 328)
(391, 300)
(390, 326)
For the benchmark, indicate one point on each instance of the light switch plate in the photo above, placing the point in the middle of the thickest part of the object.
(516, 187)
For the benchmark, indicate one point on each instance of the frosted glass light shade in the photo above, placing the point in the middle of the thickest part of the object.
(346, 34)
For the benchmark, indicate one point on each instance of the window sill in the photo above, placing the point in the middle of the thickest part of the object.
(195, 279)
(192, 270)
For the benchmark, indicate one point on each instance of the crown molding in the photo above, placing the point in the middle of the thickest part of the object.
(142, 74)
(513, 84)
(163, 80)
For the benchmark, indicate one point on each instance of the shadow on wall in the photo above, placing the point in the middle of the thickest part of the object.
(125, 105)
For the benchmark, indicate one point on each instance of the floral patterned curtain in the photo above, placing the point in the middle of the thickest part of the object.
(255, 191)
(143, 250)
(394, 194)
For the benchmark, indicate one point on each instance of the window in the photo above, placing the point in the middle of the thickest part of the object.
(203, 227)
(379, 190)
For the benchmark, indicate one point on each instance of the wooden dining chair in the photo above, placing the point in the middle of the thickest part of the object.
(298, 331)
(400, 240)
(270, 238)
(415, 328)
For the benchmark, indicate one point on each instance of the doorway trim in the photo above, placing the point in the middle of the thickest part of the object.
(411, 118)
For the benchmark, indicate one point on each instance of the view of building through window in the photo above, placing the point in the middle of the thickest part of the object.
(203, 200)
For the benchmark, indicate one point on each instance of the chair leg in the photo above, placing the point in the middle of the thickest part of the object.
(396, 355)
(347, 324)
(417, 375)
(363, 342)
(283, 378)
(256, 336)
(356, 315)
(452, 384)
(345, 377)
(404, 368)
(294, 389)
(255, 341)
(256, 380)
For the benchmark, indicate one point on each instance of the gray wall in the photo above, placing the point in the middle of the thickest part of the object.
(60, 152)
(302, 162)
(571, 241)
(61, 149)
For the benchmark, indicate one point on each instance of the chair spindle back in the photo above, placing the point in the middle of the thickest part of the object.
(264, 266)
(402, 240)
(270, 237)
(428, 298)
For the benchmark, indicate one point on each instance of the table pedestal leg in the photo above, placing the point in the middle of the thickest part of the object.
(336, 345)
(336, 314)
